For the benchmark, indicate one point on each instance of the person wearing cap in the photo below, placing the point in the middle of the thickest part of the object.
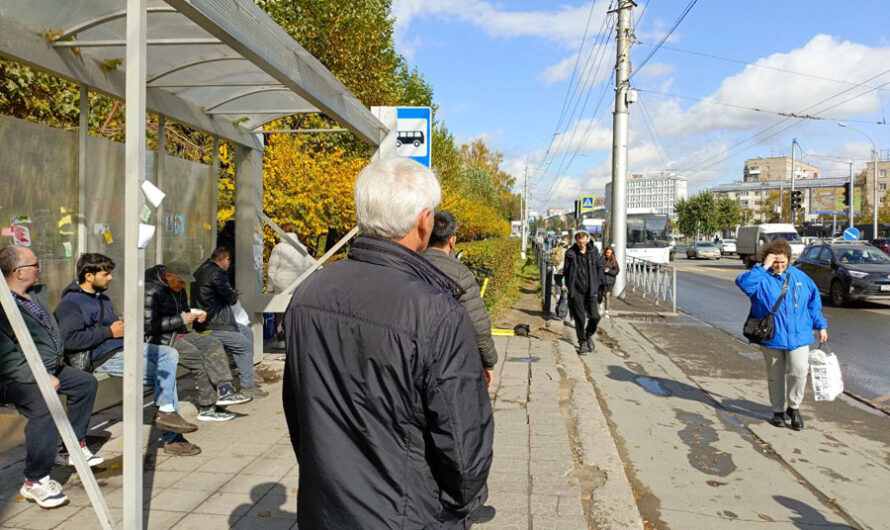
(167, 317)
(88, 323)
(583, 272)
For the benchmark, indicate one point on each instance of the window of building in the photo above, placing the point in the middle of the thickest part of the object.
(882, 173)
(882, 187)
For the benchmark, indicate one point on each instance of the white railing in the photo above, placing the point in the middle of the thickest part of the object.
(655, 280)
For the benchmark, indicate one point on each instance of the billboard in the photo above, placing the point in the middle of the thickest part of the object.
(831, 201)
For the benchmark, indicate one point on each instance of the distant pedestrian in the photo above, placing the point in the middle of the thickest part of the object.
(384, 393)
(610, 271)
(797, 315)
(583, 274)
(441, 254)
(286, 264)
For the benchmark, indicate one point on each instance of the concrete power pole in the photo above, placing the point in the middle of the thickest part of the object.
(852, 198)
(524, 231)
(619, 144)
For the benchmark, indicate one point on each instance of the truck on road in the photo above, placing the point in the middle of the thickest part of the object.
(751, 239)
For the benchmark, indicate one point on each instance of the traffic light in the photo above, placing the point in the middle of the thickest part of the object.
(796, 200)
(847, 194)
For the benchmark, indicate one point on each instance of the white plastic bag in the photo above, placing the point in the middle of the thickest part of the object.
(240, 314)
(825, 374)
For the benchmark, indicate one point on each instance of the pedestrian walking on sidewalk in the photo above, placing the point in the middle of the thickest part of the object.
(583, 273)
(384, 393)
(778, 286)
(610, 271)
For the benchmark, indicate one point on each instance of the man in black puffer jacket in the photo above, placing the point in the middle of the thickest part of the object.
(212, 292)
(167, 315)
(384, 392)
(583, 273)
(441, 254)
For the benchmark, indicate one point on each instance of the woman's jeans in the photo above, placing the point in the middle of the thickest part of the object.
(158, 371)
(786, 368)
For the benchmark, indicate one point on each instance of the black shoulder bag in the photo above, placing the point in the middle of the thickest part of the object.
(760, 330)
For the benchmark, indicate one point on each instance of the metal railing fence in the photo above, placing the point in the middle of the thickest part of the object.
(655, 280)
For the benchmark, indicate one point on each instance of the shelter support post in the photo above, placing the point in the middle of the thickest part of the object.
(83, 134)
(134, 262)
(160, 163)
(249, 238)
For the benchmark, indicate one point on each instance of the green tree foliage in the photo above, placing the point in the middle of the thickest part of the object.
(729, 213)
(700, 215)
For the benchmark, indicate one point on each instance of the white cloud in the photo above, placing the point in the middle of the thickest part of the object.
(489, 138)
(654, 70)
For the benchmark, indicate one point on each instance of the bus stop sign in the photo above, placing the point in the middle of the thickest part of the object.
(410, 130)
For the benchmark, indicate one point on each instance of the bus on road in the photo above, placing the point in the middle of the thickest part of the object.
(647, 236)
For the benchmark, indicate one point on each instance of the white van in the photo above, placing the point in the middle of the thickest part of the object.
(751, 239)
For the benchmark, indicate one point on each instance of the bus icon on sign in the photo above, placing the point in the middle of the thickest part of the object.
(414, 138)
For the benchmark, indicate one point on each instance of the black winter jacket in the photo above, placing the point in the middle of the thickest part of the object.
(471, 300)
(163, 308)
(212, 292)
(384, 395)
(594, 271)
(609, 277)
(13, 365)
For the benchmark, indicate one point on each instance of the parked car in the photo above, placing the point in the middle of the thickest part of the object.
(847, 271)
(702, 250)
(727, 246)
(883, 244)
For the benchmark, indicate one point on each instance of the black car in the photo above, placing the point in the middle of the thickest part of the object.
(847, 271)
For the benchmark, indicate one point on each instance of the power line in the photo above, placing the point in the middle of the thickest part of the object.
(650, 126)
(667, 35)
(755, 109)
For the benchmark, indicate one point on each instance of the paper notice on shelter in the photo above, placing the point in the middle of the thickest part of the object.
(21, 235)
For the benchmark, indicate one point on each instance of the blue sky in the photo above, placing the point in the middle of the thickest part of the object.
(501, 70)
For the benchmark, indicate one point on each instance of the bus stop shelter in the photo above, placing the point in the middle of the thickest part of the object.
(218, 66)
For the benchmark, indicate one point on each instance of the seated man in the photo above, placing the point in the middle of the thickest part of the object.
(167, 314)
(88, 323)
(20, 267)
(212, 292)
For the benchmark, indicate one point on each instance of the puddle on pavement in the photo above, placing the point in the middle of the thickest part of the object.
(611, 343)
(653, 386)
(699, 434)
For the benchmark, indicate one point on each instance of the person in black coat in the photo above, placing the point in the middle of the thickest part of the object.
(583, 273)
(610, 271)
(384, 393)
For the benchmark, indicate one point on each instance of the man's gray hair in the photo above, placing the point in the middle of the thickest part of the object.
(390, 194)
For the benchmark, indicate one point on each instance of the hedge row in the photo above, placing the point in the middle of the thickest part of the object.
(497, 256)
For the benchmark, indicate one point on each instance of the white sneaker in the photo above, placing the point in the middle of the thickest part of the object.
(601, 308)
(280, 345)
(46, 492)
(64, 459)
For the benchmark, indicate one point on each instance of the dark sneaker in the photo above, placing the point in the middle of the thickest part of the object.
(778, 419)
(591, 345)
(46, 492)
(255, 392)
(796, 419)
(181, 447)
(213, 413)
(583, 349)
(232, 398)
(173, 422)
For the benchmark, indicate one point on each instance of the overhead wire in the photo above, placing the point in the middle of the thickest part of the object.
(665, 37)
(651, 127)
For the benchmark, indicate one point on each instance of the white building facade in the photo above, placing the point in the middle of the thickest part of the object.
(659, 191)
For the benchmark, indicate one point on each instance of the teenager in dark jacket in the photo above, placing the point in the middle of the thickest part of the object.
(610, 271)
(583, 272)
(167, 316)
(21, 268)
(441, 254)
(89, 324)
(212, 292)
(384, 392)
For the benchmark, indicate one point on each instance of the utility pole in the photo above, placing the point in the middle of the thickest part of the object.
(874, 191)
(619, 143)
(524, 232)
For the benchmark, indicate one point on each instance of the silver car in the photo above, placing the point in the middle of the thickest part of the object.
(702, 250)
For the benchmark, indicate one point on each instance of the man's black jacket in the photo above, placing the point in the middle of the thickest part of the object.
(384, 395)
(594, 269)
(164, 308)
(212, 292)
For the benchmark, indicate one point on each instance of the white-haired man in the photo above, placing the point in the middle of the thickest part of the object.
(384, 392)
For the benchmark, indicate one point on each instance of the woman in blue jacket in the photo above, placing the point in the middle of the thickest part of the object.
(787, 353)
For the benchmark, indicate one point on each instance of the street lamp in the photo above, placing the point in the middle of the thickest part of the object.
(874, 161)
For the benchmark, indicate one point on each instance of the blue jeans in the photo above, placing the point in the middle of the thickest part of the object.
(240, 343)
(159, 371)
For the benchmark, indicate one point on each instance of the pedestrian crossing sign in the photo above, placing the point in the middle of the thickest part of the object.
(587, 203)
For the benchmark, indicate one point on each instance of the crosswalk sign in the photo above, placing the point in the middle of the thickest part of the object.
(587, 203)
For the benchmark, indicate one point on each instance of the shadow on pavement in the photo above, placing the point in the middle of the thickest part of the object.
(807, 516)
(265, 504)
(662, 387)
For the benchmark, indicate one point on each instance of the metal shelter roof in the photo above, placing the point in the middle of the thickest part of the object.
(222, 66)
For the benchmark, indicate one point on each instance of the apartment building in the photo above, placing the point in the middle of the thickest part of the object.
(763, 169)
